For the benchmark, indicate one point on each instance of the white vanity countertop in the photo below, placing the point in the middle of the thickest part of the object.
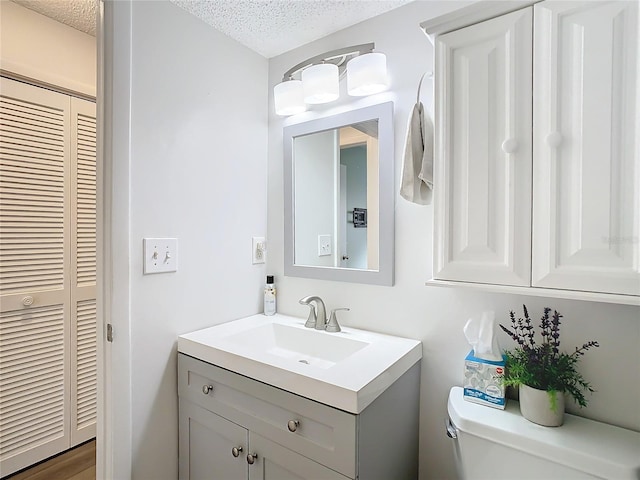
(346, 370)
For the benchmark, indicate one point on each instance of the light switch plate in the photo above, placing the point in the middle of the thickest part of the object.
(160, 255)
(324, 245)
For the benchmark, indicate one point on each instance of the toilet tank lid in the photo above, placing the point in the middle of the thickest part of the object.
(586, 445)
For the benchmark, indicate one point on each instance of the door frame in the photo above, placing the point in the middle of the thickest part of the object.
(114, 421)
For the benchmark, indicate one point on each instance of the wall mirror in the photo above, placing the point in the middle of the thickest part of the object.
(339, 197)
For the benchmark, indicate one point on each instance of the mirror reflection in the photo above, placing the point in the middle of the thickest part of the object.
(336, 197)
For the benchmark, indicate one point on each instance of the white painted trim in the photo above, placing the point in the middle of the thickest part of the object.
(114, 438)
(104, 444)
(42, 76)
(39, 82)
(474, 13)
(540, 292)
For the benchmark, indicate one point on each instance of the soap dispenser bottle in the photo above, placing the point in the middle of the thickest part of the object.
(270, 296)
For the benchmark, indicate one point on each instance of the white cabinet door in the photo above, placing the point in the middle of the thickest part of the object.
(34, 270)
(48, 269)
(586, 211)
(274, 462)
(206, 443)
(482, 183)
(84, 381)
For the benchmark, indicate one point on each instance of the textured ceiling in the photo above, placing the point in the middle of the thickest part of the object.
(269, 27)
(79, 14)
(272, 27)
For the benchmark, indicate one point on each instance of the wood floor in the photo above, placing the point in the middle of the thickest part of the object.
(76, 464)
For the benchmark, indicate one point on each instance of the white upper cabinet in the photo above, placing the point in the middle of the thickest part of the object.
(537, 155)
(483, 173)
(586, 207)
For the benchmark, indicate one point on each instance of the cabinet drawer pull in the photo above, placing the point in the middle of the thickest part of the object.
(554, 139)
(510, 145)
(206, 389)
(293, 425)
(235, 451)
(251, 458)
(27, 301)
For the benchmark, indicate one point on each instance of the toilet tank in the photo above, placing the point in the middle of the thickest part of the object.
(501, 444)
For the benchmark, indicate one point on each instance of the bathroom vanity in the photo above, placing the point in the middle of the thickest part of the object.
(280, 408)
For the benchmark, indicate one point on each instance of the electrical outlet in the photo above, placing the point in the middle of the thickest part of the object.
(324, 245)
(258, 250)
(160, 255)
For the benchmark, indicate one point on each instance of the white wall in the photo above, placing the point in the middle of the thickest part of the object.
(196, 169)
(314, 176)
(436, 315)
(36, 47)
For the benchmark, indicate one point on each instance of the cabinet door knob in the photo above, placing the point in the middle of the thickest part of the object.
(27, 301)
(235, 451)
(206, 389)
(554, 139)
(510, 145)
(251, 458)
(293, 425)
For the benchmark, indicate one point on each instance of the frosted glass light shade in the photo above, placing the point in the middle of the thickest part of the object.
(367, 74)
(320, 83)
(288, 98)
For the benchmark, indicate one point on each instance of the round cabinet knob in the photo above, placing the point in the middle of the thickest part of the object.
(206, 389)
(251, 458)
(27, 301)
(510, 145)
(235, 451)
(293, 425)
(554, 139)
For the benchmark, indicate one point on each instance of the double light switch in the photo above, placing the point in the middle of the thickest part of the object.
(160, 255)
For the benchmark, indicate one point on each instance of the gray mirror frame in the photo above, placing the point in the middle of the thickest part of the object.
(385, 274)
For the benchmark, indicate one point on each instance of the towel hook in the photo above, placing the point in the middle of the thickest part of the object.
(429, 75)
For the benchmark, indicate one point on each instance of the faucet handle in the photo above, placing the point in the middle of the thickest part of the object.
(332, 325)
(312, 319)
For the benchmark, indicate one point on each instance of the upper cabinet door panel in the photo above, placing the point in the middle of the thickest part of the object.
(483, 145)
(586, 161)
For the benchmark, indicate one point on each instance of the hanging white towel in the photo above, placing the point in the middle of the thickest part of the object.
(417, 170)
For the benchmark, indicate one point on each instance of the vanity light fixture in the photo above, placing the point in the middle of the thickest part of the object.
(289, 98)
(367, 74)
(320, 83)
(316, 80)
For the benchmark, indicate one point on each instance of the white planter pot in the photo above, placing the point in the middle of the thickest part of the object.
(535, 406)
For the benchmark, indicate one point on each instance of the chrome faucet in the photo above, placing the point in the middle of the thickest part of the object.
(318, 315)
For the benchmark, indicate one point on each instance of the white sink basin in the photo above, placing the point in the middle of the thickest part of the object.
(306, 346)
(347, 370)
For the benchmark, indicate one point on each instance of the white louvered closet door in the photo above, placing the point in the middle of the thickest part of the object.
(34, 265)
(40, 301)
(83, 270)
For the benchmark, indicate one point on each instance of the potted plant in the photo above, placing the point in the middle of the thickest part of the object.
(543, 373)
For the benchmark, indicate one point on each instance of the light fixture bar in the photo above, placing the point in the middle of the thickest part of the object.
(316, 80)
(342, 54)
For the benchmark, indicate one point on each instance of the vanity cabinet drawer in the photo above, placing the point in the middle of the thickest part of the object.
(322, 433)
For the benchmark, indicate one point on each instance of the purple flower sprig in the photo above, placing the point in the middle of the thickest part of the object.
(580, 351)
(522, 329)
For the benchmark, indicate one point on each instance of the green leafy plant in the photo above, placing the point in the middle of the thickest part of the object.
(542, 365)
